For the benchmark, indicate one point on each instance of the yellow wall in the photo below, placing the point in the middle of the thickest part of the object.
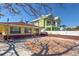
(2, 29)
(6, 29)
(39, 23)
(33, 31)
(21, 26)
(36, 23)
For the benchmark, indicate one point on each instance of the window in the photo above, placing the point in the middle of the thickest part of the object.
(15, 30)
(48, 22)
(27, 30)
(53, 23)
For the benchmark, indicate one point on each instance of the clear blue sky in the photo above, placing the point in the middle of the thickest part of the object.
(68, 13)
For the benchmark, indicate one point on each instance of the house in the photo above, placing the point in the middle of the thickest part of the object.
(47, 23)
(17, 29)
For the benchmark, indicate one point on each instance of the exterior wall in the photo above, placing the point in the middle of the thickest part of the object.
(41, 23)
(22, 29)
(71, 33)
(53, 26)
(36, 23)
(56, 24)
(48, 26)
(5, 29)
(8, 29)
(33, 31)
(2, 29)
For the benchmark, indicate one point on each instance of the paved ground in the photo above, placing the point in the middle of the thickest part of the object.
(14, 49)
(19, 49)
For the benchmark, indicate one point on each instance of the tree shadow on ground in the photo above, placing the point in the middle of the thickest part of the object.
(6, 51)
(11, 47)
(56, 54)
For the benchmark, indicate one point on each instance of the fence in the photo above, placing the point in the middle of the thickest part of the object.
(73, 33)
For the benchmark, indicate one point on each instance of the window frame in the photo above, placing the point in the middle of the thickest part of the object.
(13, 31)
(27, 30)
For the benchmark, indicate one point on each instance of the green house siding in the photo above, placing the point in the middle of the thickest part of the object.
(48, 27)
(41, 23)
(36, 23)
(48, 23)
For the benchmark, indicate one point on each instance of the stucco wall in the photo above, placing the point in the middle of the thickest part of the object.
(73, 33)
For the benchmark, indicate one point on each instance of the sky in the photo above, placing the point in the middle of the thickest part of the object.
(68, 13)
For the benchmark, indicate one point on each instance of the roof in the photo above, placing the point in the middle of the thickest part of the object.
(57, 17)
(18, 23)
(41, 17)
(44, 16)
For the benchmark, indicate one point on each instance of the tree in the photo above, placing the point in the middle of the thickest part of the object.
(76, 28)
(1, 14)
(34, 9)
